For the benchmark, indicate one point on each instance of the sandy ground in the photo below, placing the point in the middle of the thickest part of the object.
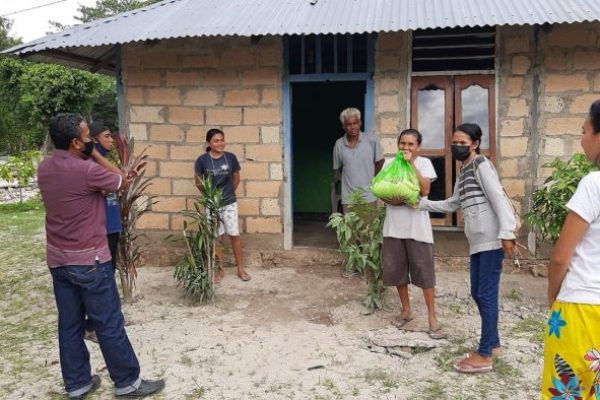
(297, 333)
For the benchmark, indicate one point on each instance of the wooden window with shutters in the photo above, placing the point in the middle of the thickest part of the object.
(438, 105)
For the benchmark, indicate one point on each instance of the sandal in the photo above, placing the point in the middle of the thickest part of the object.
(401, 321)
(244, 276)
(437, 333)
(465, 367)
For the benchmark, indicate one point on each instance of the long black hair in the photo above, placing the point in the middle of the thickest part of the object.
(473, 131)
(210, 134)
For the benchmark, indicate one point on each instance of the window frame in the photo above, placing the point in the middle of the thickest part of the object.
(453, 86)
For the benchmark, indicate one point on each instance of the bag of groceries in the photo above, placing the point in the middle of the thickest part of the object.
(397, 180)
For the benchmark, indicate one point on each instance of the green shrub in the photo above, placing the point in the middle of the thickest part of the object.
(196, 271)
(549, 203)
(360, 236)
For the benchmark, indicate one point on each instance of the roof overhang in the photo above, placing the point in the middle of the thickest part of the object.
(91, 46)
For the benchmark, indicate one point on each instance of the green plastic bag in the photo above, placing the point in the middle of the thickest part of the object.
(397, 180)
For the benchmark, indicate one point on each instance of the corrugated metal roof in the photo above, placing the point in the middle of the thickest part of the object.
(181, 18)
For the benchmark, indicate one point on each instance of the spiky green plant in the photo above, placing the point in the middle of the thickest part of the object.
(195, 273)
(360, 236)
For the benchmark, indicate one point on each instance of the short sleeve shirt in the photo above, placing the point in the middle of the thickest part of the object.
(221, 172)
(75, 217)
(402, 222)
(582, 281)
(357, 163)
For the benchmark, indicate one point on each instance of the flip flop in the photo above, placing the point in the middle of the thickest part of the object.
(437, 333)
(465, 367)
(244, 277)
(401, 321)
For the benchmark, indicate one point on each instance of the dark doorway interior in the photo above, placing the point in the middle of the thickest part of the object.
(315, 128)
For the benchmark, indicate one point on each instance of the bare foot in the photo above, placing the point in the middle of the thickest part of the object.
(244, 276)
(496, 351)
(219, 275)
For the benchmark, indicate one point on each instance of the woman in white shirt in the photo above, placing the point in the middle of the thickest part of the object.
(408, 239)
(572, 342)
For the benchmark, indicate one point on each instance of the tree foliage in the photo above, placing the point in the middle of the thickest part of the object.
(107, 8)
(6, 40)
(102, 9)
(20, 168)
(31, 93)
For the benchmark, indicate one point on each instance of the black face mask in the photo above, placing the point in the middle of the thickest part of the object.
(459, 152)
(88, 147)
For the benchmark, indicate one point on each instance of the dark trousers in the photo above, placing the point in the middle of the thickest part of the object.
(486, 267)
(113, 246)
(91, 290)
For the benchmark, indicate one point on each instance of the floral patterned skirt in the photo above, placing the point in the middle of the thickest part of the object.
(572, 353)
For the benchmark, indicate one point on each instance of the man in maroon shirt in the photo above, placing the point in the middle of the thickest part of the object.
(80, 261)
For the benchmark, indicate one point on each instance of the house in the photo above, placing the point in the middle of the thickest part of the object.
(274, 75)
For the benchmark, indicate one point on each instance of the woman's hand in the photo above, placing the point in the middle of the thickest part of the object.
(509, 248)
(408, 156)
(395, 201)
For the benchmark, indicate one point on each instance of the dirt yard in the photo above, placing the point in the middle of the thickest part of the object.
(290, 333)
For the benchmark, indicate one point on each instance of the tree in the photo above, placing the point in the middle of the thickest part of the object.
(103, 9)
(31, 93)
(107, 8)
(6, 40)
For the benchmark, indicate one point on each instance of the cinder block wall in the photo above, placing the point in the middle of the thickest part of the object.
(178, 89)
(548, 77)
(391, 87)
(570, 83)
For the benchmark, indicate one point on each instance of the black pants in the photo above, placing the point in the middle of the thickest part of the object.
(113, 246)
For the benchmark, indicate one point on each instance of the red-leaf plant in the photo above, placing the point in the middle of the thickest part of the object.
(133, 205)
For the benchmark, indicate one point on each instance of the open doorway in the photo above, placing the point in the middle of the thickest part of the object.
(316, 107)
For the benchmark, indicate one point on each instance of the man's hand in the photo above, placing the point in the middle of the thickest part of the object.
(509, 248)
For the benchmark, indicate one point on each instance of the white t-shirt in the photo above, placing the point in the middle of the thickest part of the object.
(582, 281)
(403, 222)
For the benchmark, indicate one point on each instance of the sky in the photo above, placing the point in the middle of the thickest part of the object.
(33, 24)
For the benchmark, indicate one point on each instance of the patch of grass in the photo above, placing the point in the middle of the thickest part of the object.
(186, 360)
(420, 349)
(534, 328)
(434, 390)
(197, 393)
(514, 295)
(505, 370)
(445, 360)
(455, 309)
(30, 205)
(386, 379)
(26, 300)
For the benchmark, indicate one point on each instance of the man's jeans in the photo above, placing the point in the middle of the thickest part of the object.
(91, 290)
(486, 267)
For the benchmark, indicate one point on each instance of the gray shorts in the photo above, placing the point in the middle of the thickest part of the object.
(408, 261)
